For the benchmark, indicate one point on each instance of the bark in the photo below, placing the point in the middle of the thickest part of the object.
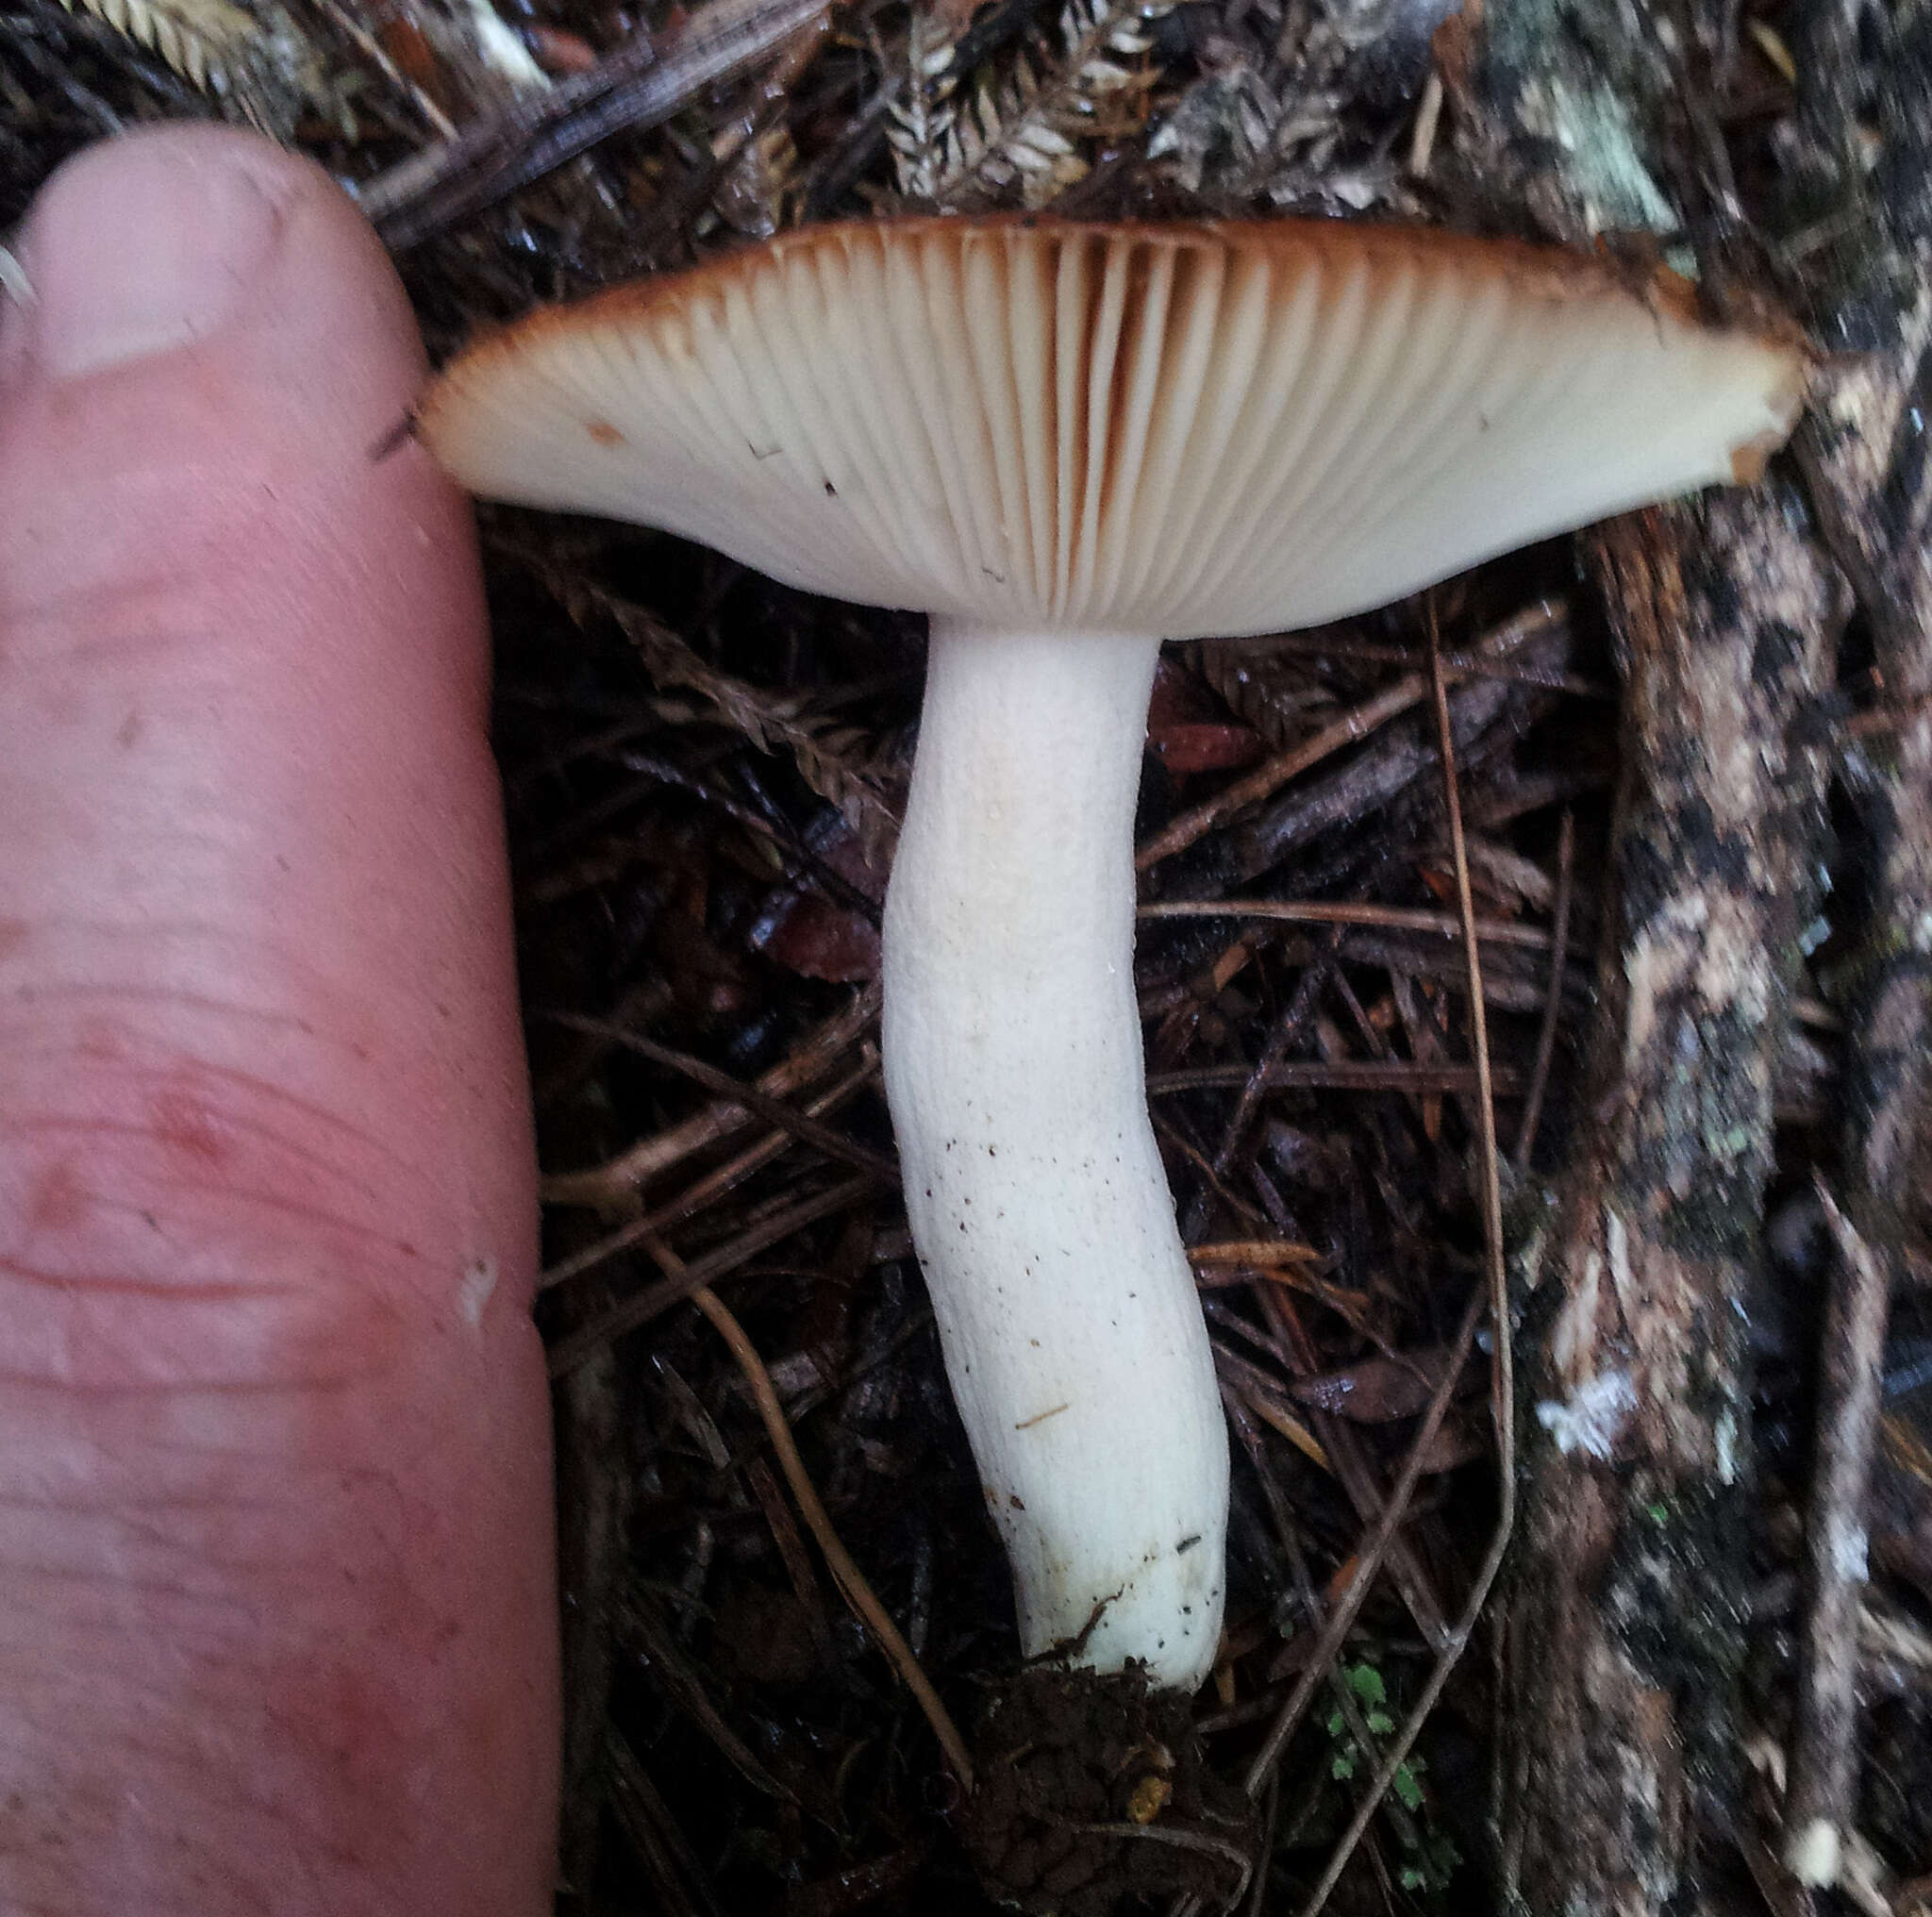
(1860, 150)
(1626, 1629)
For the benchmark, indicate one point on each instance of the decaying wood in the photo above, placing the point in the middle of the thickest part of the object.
(1819, 1810)
(642, 84)
(1626, 1634)
(1864, 455)
(1628, 1629)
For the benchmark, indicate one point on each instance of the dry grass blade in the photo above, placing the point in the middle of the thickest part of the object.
(1503, 1372)
(847, 1575)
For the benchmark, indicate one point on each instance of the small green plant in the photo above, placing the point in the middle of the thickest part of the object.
(1429, 1854)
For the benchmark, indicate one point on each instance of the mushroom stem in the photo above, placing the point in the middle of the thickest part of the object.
(1036, 1195)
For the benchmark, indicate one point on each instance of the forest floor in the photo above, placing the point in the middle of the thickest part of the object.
(704, 774)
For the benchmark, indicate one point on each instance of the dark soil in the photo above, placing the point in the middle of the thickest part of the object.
(1093, 1797)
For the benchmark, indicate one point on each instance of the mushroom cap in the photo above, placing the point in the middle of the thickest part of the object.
(1187, 429)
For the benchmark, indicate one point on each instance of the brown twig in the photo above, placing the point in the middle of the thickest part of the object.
(1271, 1818)
(775, 1111)
(1253, 1251)
(1370, 1556)
(618, 1181)
(1819, 1803)
(845, 1574)
(1330, 644)
(642, 1634)
(642, 84)
(1355, 724)
(707, 1191)
(653, 1833)
(1282, 1034)
(1503, 1379)
(654, 1300)
(1344, 1075)
(1354, 1470)
(1271, 774)
(1202, 1840)
(1351, 912)
(1552, 1005)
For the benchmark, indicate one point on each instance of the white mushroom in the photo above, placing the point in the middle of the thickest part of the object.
(1066, 442)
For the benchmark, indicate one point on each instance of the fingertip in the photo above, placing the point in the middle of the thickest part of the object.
(189, 238)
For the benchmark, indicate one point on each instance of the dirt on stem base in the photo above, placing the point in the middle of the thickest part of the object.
(1093, 1797)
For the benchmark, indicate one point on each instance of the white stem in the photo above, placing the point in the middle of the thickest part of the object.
(1036, 1195)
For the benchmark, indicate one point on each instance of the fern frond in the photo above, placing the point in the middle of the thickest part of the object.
(920, 126)
(200, 38)
(1026, 127)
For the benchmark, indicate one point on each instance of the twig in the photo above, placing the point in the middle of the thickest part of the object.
(1502, 1371)
(845, 1574)
(1559, 957)
(642, 84)
(372, 49)
(1355, 1471)
(1369, 1558)
(1253, 1251)
(653, 1833)
(1356, 723)
(1544, 616)
(1270, 1817)
(1182, 1840)
(1374, 1548)
(707, 1191)
(619, 1179)
(1281, 1035)
(1818, 1804)
(642, 1634)
(835, 1144)
(1344, 1075)
(1351, 912)
(654, 1300)
(1271, 774)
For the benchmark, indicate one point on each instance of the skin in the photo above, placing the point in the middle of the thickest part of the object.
(277, 1622)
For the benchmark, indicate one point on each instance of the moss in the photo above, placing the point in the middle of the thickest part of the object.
(1588, 97)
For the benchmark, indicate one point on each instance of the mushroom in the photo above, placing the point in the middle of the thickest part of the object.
(1065, 442)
